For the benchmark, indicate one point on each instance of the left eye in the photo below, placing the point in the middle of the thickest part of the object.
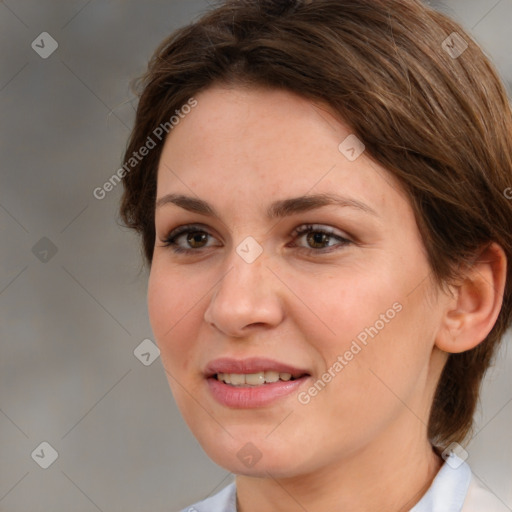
(317, 237)
(197, 238)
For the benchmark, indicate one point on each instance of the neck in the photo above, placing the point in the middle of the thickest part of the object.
(373, 479)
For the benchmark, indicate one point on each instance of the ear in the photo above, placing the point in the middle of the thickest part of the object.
(476, 303)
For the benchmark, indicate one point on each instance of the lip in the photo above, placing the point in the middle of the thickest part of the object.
(251, 397)
(250, 365)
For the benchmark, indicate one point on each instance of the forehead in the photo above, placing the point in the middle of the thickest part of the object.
(259, 144)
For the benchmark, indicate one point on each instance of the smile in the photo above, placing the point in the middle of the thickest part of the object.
(253, 382)
(253, 379)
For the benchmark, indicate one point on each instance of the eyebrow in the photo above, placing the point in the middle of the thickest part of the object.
(278, 209)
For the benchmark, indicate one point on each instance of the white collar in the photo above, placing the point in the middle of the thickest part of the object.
(448, 489)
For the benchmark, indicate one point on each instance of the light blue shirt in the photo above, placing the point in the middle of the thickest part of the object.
(454, 489)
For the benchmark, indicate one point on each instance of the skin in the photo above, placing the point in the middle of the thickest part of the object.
(361, 443)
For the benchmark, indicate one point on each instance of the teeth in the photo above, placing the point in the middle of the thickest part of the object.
(253, 379)
(237, 379)
(271, 376)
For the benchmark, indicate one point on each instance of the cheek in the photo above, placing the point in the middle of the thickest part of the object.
(174, 321)
(172, 297)
(382, 332)
(160, 303)
(346, 307)
(171, 315)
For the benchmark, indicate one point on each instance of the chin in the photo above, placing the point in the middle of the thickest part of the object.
(265, 467)
(254, 456)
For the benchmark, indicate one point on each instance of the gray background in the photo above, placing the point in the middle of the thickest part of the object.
(70, 321)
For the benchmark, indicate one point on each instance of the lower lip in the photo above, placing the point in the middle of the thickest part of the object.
(251, 397)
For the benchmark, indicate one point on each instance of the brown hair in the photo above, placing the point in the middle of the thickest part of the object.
(439, 122)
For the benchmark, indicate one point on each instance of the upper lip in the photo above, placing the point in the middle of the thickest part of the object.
(250, 365)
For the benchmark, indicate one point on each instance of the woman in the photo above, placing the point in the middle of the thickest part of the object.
(319, 190)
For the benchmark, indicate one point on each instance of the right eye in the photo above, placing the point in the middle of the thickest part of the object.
(195, 237)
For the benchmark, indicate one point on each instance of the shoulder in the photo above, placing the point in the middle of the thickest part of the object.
(224, 501)
(480, 499)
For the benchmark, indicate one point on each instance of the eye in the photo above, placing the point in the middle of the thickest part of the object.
(196, 238)
(318, 239)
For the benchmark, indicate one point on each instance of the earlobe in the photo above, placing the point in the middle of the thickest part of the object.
(476, 303)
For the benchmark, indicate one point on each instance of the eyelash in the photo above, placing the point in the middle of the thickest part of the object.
(170, 240)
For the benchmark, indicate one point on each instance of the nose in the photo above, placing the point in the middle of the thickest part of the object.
(248, 296)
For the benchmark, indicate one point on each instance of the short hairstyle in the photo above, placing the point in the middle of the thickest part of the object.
(410, 83)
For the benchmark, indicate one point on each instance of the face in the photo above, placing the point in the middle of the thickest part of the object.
(292, 331)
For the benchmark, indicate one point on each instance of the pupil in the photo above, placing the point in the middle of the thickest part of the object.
(196, 237)
(317, 238)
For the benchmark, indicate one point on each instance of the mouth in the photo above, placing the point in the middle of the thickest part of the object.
(251, 383)
(255, 379)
